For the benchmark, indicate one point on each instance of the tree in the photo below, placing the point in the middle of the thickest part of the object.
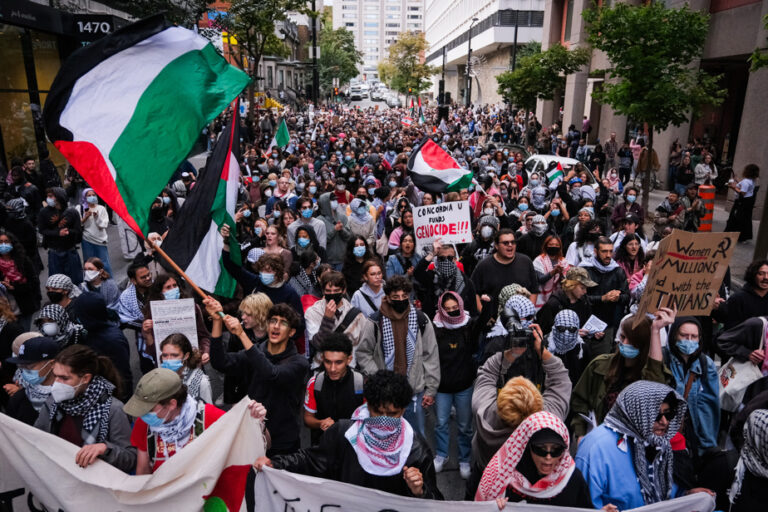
(759, 57)
(540, 75)
(651, 49)
(338, 56)
(404, 68)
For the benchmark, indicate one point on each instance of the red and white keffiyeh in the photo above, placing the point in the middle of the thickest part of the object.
(382, 443)
(502, 472)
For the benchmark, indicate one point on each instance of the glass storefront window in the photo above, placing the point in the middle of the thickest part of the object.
(16, 124)
(12, 74)
(47, 60)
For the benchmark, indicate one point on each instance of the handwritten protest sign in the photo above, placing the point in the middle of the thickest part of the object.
(687, 272)
(173, 316)
(450, 222)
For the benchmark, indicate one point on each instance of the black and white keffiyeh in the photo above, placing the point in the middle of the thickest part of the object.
(633, 416)
(192, 379)
(179, 430)
(308, 281)
(388, 339)
(93, 405)
(563, 342)
(447, 278)
(37, 394)
(754, 453)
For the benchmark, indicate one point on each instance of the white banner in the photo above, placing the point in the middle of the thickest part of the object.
(38, 471)
(450, 222)
(280, 490)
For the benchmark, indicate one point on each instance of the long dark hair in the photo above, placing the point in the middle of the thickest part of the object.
(349, 257)
(639, 336)
(622, 256)
(156, 290)
(18, 255)
(82, 360)
(181, 341)
(585, 233)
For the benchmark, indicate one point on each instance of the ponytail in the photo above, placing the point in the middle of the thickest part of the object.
(82, 360)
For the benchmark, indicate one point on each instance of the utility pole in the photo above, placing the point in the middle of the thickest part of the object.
(315, 74)
(468, 99)
(514, 47)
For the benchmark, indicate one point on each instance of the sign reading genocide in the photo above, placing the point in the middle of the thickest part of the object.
(450, 222)
(687, 272)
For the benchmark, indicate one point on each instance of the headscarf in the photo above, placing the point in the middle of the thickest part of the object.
(16, 208)
(69, 333)
(515, 309)
(563, 342)
(254, 255)
(62, 282)
(754, 453)
(539, 197)
(382, 444)
(507, 292)
(613, 180)
(632, 416)
(355, 214)
(93, 405)
(539, 219)
(502, 471)
(83, 202)
(443, 319)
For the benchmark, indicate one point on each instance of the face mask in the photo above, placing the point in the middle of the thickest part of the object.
(352, 179)
(55, 297)
(454, 313)
(335, 297)
(313, 190)
(247, 213)
(343, 170)
(371, 191)
(590, 210)
(486, 232)
(534, 183)
(399, 305)
(688, 347)
(267, 278)
(307, 213)
(358, 251)
(275, 213)
(628, 351)
(300, 187)
(172, 364)
(267, 192)
(347, 158)
(488, 211)
(256, 179)
(257, 231)
(303, 242)
(553, 251)
(522, 207)
(94, 200)
(152, 419)
(5, 248)
(90, 275)
(340, 187)
(526, 323)
(631, 199)
(61, 392)
(50, 201)
(554, 213)
(272, 183)
(172, 294)
(398, 173)
(392, 184)
(539, 229)
(274, 155)
(334, 204)
(33, 377)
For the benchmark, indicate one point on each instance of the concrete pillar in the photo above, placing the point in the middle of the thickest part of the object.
(662, 143)
(575, 94)
(611, 122)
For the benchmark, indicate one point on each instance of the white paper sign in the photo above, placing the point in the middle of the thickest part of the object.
(450, 222)
(594, 325)
(171, 317)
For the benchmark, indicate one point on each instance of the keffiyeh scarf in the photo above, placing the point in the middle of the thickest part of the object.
(563, 342)
(308, 281)
(388, 339)
(632, 416)
(93, 405)
(36, 393)
(192, 379)
(382, 444)
(516, 308)
(502, 472)
(446, 321)
(594, 262)
(447, 278)
(754, 453)
(179, 430)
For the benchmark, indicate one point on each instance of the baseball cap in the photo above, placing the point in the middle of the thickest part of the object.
(154, 387)
(35, 350)
(632, 218)
(580, 274)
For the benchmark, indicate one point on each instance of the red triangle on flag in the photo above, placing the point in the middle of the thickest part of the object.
(559, 166)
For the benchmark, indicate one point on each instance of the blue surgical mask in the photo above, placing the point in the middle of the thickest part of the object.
(554, 213)
(172, 294)
(267, 278)
(5, 248)
(257, 231)
(152, 419)
(275, 213)
(628, 351)
(172, 364)
(303, 242)
(307, 213)
(246, 213)
(358, 251)
(300, 187)
(256, 179)
(272, 183)
(392, 184)
(591, 210)
(534, 183)
(94, 200)
(631, 199)
(522, 207)
(33, 377)
(347, 158)
(352, 179)
(371, 190)
(688, 347)
(313, 190)
(50, 201)
(362, 210)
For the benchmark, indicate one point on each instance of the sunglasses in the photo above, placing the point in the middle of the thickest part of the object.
(670, 415)
(541, 451)
(507, 242)
(562, 328)
(445, 258)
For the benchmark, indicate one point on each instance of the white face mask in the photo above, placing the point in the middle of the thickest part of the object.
(90, 275)
(61, 392)
(50, 329)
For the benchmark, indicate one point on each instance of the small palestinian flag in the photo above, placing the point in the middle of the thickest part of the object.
(421, 113)
(281, 138)
(126, 110)
(434, 170)
(406, 121)
(194, 241)
(555, 174)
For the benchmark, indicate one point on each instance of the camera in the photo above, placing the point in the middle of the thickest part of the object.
(518, 337)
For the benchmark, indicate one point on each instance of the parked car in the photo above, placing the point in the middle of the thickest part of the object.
(355, 93)
(393, 101)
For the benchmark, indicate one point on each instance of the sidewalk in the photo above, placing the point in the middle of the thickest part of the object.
(742, 257)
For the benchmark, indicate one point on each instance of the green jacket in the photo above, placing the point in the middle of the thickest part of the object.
(589, 393)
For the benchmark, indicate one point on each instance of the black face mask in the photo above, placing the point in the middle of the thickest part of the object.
(454, 313)
(336, 297)
(55, 297)
(399, 305)
(553, 251)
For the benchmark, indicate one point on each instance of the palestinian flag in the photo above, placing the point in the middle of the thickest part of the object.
(434, 170)
(421, 113)
(281, 138)
(555, 174)
(406, 121)
(126, 110)
(194, 241)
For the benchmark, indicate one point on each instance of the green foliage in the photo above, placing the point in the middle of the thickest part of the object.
(404, 68)
(651, 49)
(759, 57)
(338, 56)
(540, 75)
(528, 49)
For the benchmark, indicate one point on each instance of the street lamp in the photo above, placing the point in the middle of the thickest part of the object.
(468, 98)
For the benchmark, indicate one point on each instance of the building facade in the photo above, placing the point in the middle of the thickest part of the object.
(376, 25)
(493, 38)
(734, 127)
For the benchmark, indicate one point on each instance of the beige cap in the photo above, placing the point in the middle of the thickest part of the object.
(154, 387)
(580, 274)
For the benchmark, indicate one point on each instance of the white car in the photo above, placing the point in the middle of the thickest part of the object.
(355, 93)
(543, 163)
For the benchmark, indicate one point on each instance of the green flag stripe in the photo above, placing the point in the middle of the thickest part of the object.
(282, 137)
(460, 183)
(160, 135)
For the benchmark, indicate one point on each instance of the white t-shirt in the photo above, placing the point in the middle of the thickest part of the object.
(747, 186)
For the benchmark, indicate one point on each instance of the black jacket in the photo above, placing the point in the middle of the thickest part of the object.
(277, 381)
(742, 305)
(426, 280)
(616, 279)
(51, 221)
(335, 459)
(557, 302)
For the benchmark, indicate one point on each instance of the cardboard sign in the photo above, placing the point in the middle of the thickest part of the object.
(687, 272)
(171, 317)
(450, 222)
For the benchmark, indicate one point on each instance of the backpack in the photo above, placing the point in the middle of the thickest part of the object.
(348, 319)
(320, 378)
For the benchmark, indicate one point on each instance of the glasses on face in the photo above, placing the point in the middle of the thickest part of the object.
(507, 243)
(542, 451)
(562, 328)
(445, 258)
(277, 321)
(670, 415)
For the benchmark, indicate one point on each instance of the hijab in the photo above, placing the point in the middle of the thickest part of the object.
(754, 453)
(446, 321)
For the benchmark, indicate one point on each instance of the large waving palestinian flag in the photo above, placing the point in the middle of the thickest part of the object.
(434, 170)
(194, 241)
(126, 110)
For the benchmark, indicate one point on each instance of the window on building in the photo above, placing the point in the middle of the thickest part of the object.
(270, 79)
(414, 16)
(393, 25)
(393, 7)
(414, 8)
(371, 16)
(349, 7)
(348, 24)
(290, 77)
(371, 24)
(568, 21)
(370, 33)
(281, 77)
(349, 15)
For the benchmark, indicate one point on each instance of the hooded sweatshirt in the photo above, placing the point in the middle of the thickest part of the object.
(52, 219)
(336, 241)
